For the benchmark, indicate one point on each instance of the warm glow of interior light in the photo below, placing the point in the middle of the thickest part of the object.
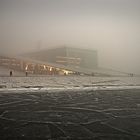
(44, 66)
(67, 72)
(26, 68)
(50, 68)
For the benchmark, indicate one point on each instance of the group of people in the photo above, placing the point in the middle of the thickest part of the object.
(11, 73)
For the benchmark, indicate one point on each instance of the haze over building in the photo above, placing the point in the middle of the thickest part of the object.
(109, 26)
(68, 56)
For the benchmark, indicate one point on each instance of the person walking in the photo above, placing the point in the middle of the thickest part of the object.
(11, 73)
(26, 73)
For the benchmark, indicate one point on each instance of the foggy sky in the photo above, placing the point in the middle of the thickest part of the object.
(109, 26)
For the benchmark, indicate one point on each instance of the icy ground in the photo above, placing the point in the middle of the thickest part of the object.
(58, 83)
(70, 115)
(69, 107)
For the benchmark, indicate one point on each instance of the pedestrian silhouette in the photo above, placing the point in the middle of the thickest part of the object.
(11, 73)
(26, 73)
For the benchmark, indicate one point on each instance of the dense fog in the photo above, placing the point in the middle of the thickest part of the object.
(109, 26)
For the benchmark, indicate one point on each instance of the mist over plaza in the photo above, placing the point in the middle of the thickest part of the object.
(110, 27)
